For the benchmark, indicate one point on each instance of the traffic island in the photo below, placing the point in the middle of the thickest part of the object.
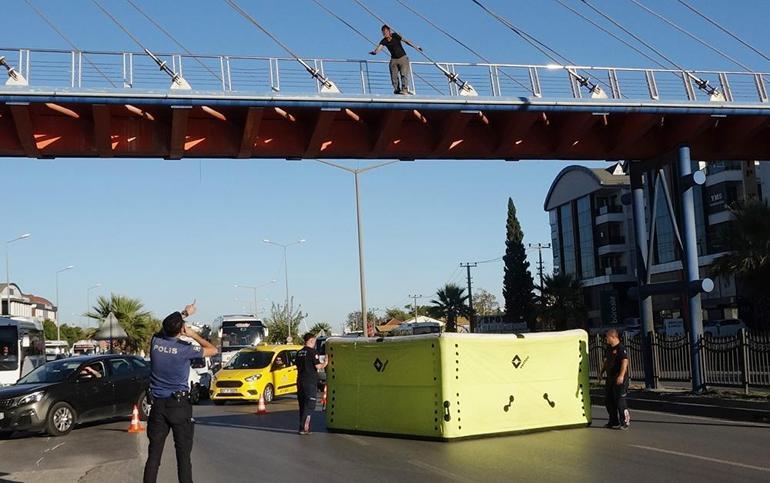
(455, 386)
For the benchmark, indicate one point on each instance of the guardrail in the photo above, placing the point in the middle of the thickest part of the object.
(231, 74)
(738, 361)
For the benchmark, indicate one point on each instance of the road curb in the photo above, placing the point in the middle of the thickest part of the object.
(704, 407)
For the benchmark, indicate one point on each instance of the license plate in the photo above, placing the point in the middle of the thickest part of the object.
(228, 390)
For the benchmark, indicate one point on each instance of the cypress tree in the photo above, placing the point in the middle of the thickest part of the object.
(518, 284)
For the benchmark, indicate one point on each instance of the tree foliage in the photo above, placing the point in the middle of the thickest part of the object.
(561, 303)
(354, 322)
(138, 323)
(321, 328)
(484, 303)
(397, 313)
(283, 323)
(518, 284)
(450, 303)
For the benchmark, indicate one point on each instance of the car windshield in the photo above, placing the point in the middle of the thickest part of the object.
(251, 360)
(244, 336)
(9, 343)
(198, 363)
(55, 371)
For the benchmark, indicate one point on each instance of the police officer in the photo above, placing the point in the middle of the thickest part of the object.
(171, 409)
(616, 384)
(308, 364)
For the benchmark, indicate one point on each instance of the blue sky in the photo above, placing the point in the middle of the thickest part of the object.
(167, 232)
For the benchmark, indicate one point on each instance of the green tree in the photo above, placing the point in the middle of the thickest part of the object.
(484, 303)
(561, 303)
(322, 328)
(747, 238)
(138, 323)
(449, 304)
(397, 313)
(354, 322)
(518, 284)
(49, 328)
(283, 323)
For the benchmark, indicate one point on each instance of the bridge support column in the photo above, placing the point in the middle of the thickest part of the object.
(645, 301)
(690, 262)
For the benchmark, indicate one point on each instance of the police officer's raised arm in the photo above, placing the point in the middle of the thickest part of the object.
(208, 348)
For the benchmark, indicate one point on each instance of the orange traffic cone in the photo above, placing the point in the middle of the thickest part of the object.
(261, 408)
(136, 425)
(323, 399)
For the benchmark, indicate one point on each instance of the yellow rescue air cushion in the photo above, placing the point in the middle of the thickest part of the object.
(452, 386)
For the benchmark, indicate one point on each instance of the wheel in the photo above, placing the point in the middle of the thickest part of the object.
(219, 402)
(268, 393)
(5, 435)
(60, 419)
(195, 394)
(144, 405)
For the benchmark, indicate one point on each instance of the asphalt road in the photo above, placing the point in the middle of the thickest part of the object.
(235, 445)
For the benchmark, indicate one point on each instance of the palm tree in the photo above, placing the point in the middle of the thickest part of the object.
(321, 328)
(561, 302)
(748, 240)
(450, 303)
(138, 323)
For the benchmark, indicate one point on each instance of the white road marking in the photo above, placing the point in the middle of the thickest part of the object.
(703, 458)
(437, 470)
(698, 418)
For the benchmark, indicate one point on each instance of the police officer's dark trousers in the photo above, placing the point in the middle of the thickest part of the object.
(615, 402)
(306, 395)
(175, 415)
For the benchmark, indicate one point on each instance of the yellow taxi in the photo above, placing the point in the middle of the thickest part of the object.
(266, 370)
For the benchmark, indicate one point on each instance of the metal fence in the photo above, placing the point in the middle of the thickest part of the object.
(738, 361)
(234, 74)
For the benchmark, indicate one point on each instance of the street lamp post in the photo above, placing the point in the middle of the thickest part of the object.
(88, 297)
(254, 288)
(285, 246)
(8, 272)
(360, 230)
(58, 309)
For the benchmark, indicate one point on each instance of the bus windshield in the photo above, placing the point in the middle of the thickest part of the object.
(242, 335)
(9, 348)
(56, 371)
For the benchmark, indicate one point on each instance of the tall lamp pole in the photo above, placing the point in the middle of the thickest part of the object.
(58, 309)
(285, 246)
(360, 229)
(8, 272)
(255, 288)
(88, 296)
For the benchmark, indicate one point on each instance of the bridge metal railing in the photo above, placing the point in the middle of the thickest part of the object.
(741, 361)
(237, 74)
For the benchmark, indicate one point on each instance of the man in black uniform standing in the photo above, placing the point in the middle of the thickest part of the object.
(616, 384)
(171, 409)
(308, 364)
(399, 61)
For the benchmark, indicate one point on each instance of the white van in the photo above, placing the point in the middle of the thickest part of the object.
(56, 349)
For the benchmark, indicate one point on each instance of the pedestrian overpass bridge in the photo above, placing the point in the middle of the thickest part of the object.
(59, 103)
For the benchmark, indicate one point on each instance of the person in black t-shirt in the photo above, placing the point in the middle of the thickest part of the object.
(616, 385)
(308, 364)
(400, 68)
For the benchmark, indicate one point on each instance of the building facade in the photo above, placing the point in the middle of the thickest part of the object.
(25, 305)
(592, 234)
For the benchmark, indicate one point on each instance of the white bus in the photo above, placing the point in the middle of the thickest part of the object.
(237, 332)
(22, 348)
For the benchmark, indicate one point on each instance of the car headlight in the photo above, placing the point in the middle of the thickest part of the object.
(253, 378)
(30, 398)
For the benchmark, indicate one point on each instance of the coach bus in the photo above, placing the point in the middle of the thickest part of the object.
(237, 332)
(22, 348)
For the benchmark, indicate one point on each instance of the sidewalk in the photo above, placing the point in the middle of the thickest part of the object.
(717, 403)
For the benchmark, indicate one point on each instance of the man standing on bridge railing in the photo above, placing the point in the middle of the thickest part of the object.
(399, 61)
(616, 384)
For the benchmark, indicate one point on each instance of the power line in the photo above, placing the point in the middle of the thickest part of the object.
(120, 25)
(724, 29)
(367, 39)
(453, 77)
(172, 38)
(461, 43)
(68, 40)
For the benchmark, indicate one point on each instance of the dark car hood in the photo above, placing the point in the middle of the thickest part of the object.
(22, 389)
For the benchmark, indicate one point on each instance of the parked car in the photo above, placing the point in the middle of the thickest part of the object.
(61, 394)
(723, 328)
(200, 379)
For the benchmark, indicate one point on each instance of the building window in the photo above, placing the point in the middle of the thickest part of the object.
(553, 217)
(665, 241)
(586, 235)
(569, 263)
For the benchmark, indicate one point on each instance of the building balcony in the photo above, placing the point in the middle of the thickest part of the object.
(606, 209)
(724, 176)
(613, 217)
(615, 244)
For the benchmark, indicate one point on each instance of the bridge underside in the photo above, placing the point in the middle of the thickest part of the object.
(52, 125)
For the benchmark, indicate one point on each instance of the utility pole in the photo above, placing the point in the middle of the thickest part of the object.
(540, 267)
(414, 306)
(472, 320)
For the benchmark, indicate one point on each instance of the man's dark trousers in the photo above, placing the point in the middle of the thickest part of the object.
(306, 395)
(175, 415)
(615, 402)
